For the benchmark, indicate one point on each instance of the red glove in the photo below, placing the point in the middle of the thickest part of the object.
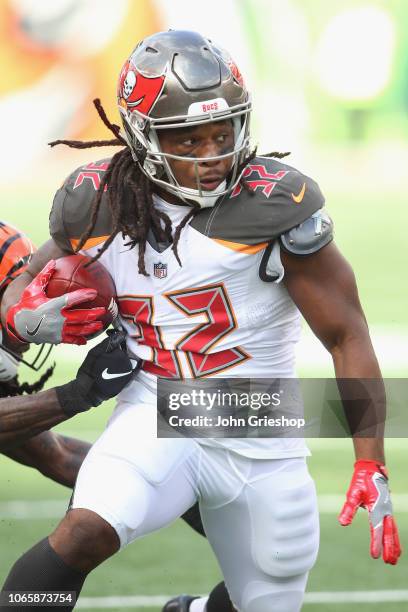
(369, 489)
(39, 319)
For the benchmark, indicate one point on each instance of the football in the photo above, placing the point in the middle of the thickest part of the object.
(72, 273)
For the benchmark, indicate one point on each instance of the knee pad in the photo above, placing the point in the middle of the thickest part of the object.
(288, 601)
(286, 531)
(279, 595)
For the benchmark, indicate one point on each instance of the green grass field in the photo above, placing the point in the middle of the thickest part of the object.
(371, 234)
(176, 559)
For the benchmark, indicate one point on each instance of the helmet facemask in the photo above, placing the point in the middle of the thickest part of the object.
(8, 363)
(10, 360)
(16, 252)
(226, 99)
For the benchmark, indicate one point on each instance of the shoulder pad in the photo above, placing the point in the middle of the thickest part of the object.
(280, 198)
(71, 209)
(309, 236)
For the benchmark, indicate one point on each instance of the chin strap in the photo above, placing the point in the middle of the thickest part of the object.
(206, 201)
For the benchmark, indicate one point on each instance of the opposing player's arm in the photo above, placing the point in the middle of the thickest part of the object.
(323, 287)
(55, 456)
(23, 417)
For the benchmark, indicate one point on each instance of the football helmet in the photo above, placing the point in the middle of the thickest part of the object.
(16, 250)
(177, 79)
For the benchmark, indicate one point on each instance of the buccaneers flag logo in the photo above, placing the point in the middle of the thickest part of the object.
(236, 72)
(136, 91)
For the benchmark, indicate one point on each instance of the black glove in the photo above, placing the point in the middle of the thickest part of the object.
(107, 370)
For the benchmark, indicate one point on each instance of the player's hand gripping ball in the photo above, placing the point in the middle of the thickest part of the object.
(68, 302)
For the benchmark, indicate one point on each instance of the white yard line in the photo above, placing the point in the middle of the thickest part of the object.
(21, 509)
(329, 504)
(341, 444)
(346, 597)
(390, 344)
(319, 597)
(130, 601)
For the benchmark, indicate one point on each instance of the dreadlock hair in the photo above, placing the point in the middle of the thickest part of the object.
(13, 387)
(130, 200)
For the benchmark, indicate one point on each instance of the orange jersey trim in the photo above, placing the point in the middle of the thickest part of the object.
(250, 249)
(91, 242)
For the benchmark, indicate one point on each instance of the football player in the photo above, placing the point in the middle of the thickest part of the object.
(215, 252)
(26, 417)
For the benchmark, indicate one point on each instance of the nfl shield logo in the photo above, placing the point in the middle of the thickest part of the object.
(160, 270)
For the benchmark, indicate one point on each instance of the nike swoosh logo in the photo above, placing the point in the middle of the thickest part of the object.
(107, 375)
(35, 330)
(299, 197)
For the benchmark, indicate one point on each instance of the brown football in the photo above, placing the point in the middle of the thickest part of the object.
(71, 274)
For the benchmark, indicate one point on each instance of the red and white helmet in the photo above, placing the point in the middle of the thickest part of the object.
(176, 79)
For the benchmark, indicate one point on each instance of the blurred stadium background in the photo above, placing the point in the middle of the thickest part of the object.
(330, 84)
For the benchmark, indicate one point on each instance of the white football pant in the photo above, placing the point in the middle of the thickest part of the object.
(260, 515)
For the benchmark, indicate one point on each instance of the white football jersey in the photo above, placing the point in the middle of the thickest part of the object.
(212, 316)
